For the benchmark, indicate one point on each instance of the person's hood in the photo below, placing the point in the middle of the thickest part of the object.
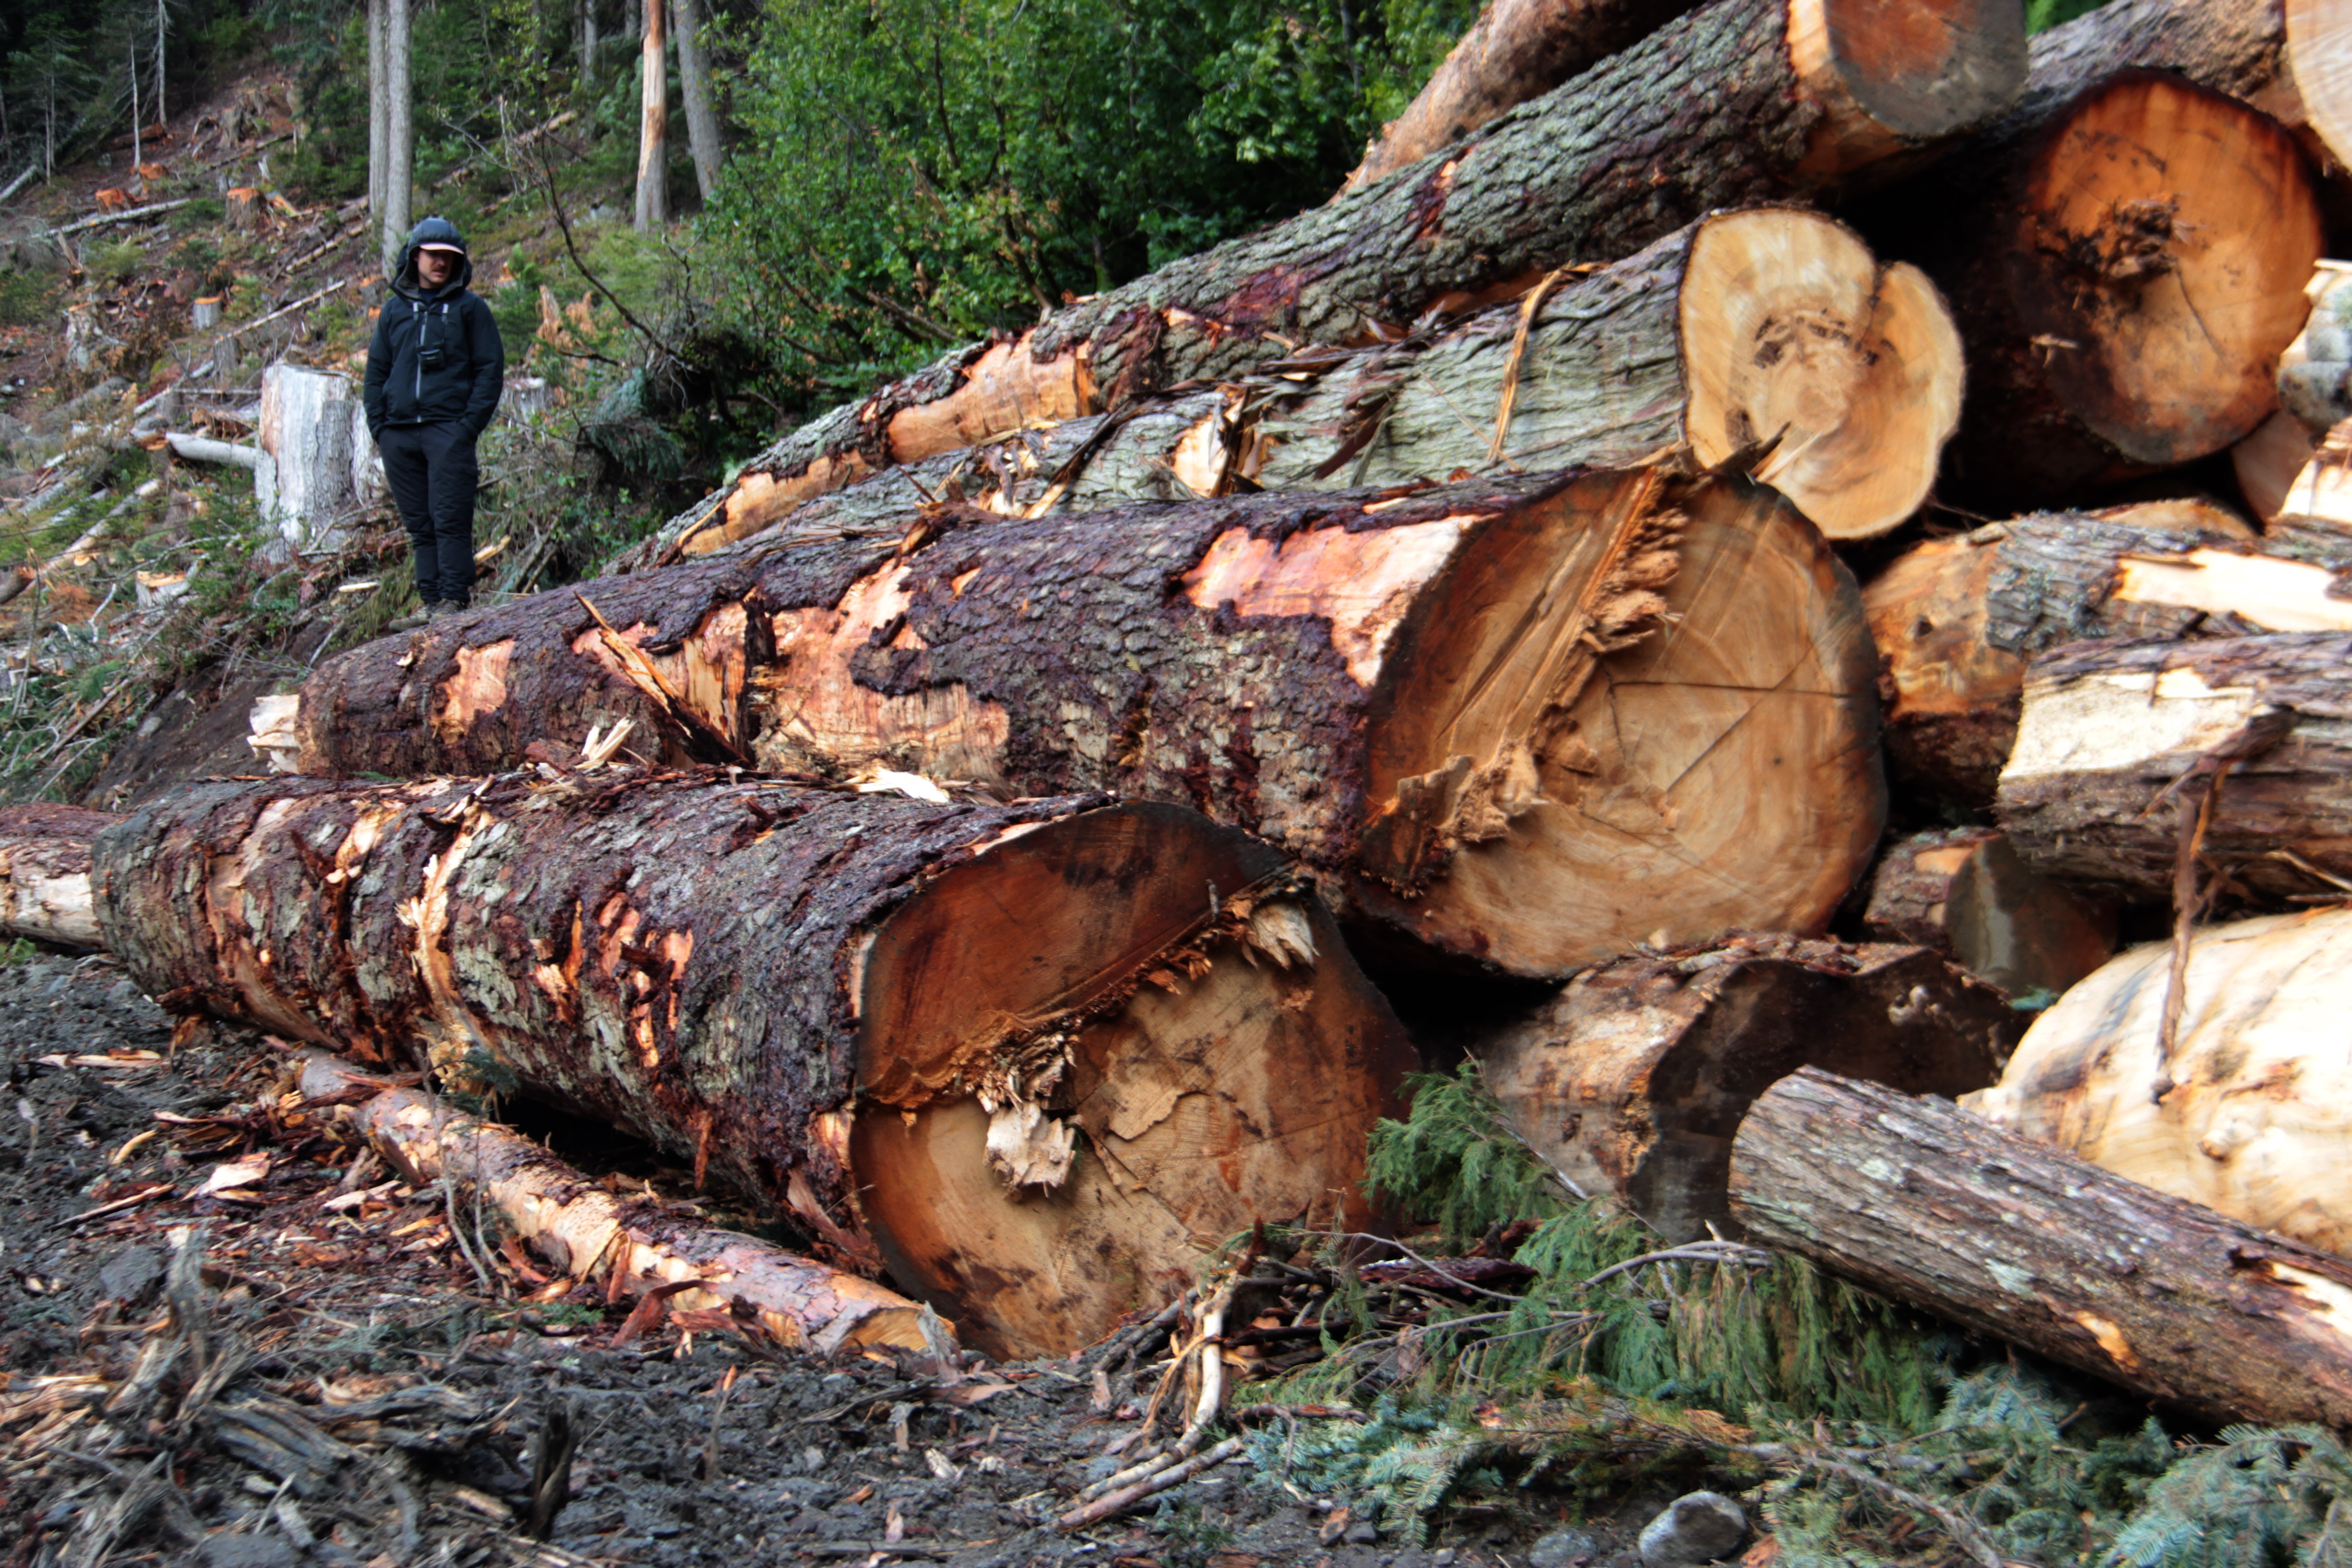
(432, 231)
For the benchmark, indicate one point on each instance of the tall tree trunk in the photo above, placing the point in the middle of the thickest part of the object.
(694, 86)
(399, 133)
(1745, 100)
(1927, 1203)
(379, 114)
(653, 124)
(138, 155)
(163, 104)
(587, 45)
(889, 1019)
(1465, 705)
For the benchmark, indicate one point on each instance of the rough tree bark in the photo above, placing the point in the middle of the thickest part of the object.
(1528, 722)
(891, 1020)
(1770, 324)
(395, 216)
(2126, 265)
(379, 111)
(1957, 619)
(45, 873)
(1963, 892)
(1742, 101)
(1634, 1079)
(589, 1233)
(1929, 1205)
(2118, 738)
(694, 88)
(653, 123)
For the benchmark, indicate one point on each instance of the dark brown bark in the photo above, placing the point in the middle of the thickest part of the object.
(1920, 1201)
(1963, 892)
(1460, 705)
(814, 996)
(1730, 105)
(1635, 1079)
(2111, 741)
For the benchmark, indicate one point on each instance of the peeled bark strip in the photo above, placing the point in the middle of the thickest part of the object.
(1773, 324)
(1925, 1202)
(892, 1021)
(1742, 101)
(45, 873)
(1957, 619)
(1528, 722)
(2110, 728)
(1963, 892)
(2247, 1115)
(1635, 1079)
(2127, 268)
(586, 1232)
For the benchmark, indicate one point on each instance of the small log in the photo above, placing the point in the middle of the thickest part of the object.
(2112, 731)
(588, 1232)
(1526, 723)
(45, 873)
(1738, 103)
(1922, 1201)
(204, 450)
(2245, 1114)
(1964, 893)
(2314, 516)
(2268, 461)
(891, 1021)
(1634, 1079)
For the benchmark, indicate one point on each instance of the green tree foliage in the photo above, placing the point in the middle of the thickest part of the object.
(919, 173)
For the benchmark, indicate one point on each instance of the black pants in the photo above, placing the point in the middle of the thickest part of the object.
(432, 473)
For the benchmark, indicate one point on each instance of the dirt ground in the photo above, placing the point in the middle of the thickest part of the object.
(262, 1375)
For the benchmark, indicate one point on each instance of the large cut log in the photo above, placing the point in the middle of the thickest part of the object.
(2126, 266)
(1956, 620)
(630, 1246)
(1744, 101)
(1963, 892)
(1773, 324)
(1528, 723)
(1923, 1202)
(45, 873)
(1634, 1079)
(892, 1021)
(2118, 739)
(2246, 1114)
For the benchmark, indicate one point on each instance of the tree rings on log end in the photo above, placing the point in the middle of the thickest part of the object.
(1792, 332)
(2319, 57)
(1888, 72)
(1094, 1053)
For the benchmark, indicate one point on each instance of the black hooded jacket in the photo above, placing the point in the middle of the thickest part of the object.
(405, 384)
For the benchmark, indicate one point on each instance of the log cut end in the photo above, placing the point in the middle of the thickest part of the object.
(2164, 237)
(2319, 58)
(1888, 75)
(1792, 332)
(1963, 892)
(1097, 1052)
(1645, 705)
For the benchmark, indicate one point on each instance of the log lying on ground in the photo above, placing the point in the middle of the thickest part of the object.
(1964, 893)
(2112, 733)
(1956, 621)
(45, 873)
(1925, 1202)
(1634, 1079)
(1744, 101)
(890, 1020)
(2125, 268)
(1528, 722)
(587, 1232)
(2246, 1114)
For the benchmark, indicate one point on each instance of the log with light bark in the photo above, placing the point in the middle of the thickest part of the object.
(2126, 266)
(1773, 324)
(2245, 1114)
(1741, 102)
(2118, 738)
(891, 1021)
(1632, 1080)
(45, 873)
(1957, 619)
(1964, 893)
(1525, 722)
(1920, 1201)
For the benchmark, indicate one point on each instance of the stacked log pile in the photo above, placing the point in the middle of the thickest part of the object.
(1503, 575)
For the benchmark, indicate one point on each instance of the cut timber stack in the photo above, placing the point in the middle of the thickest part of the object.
(889, 1019)
(1743, 101)
(1526, 723)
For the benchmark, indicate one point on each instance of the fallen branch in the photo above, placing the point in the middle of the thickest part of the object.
(1127, 1497)
(100, 219)
(204, 450)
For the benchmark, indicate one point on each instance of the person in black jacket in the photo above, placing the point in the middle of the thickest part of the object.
(434, 376)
